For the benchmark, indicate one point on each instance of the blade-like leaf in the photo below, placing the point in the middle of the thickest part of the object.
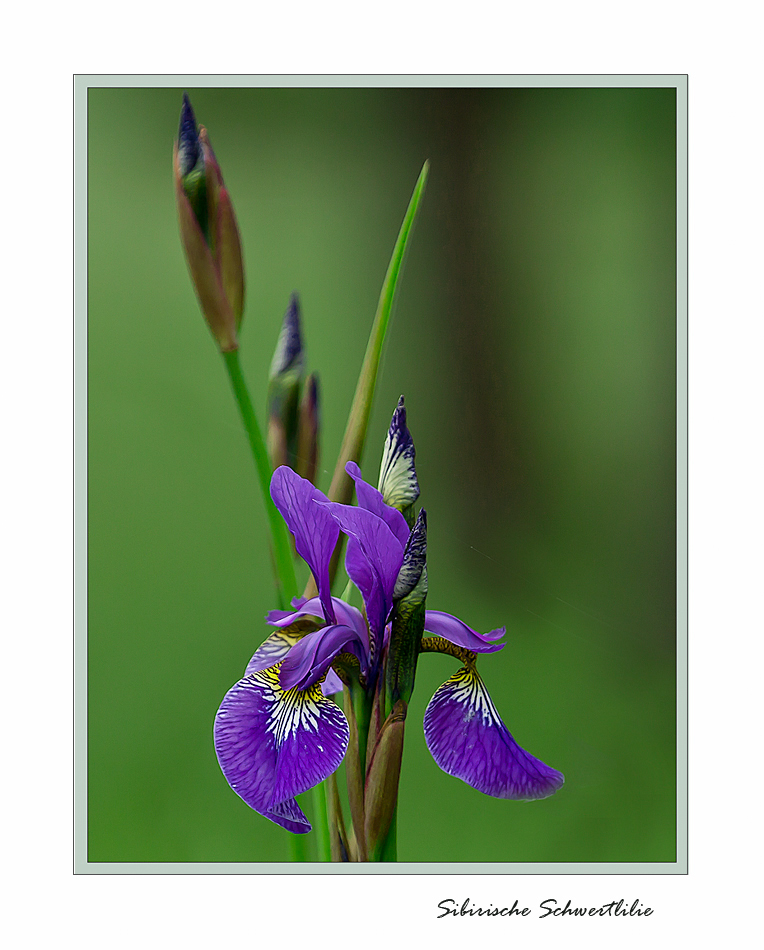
(341, 489)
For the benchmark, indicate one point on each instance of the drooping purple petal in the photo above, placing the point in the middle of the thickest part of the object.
(315, 531)
(371, 499)
(452, 629)
(312, 736)
(374, 557)
(467, 739)
(309, 659)
(289, 815)
(273, 744)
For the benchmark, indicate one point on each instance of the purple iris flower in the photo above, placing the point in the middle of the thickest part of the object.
(278, 732)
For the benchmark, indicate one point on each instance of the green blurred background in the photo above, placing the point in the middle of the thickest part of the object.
(534, 340)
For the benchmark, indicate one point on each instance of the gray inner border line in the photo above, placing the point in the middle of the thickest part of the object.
(81, 85)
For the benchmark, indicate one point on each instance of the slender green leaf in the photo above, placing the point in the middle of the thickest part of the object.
(341, 488)
(355, 432)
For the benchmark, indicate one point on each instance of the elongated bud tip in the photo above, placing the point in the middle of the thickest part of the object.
(285, 384)
(397, 473)
(188, 138)
(288, 355)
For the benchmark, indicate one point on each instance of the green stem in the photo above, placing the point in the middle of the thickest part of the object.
(390, 847)
(322, 823)
(338, 839)
(281, 543)
(299, 846)
(286, 580)
(362, 708)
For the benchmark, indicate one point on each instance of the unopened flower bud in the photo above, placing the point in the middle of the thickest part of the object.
(407, 625)
(284, 386)
(208, 230)
(381, 792)
(413, 568)
(397, 473)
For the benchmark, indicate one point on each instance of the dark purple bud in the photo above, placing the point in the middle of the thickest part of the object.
(284, 391)
(414, 561)
(188, 138)
(288, 355)
(407, 627)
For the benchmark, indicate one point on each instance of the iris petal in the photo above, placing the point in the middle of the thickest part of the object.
(311, 657)
(272, 744)
(455, 631)
(332, 684)
(468, 740)
(289, 815)
(374, 557)
(371, 499)
(273, 650)
(343, 613)
(315, 531)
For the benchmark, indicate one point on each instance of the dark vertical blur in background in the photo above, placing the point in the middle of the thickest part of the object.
(534, 340)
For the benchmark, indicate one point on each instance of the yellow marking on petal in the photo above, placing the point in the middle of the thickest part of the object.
(467, 688)
(440, 645)
(291, 709)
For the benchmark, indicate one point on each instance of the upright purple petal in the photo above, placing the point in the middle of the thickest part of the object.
(309, 659)
(467, 739)
(315, 531)
(371, 499)
(272, 744)
(452, 629)
(374, 557)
